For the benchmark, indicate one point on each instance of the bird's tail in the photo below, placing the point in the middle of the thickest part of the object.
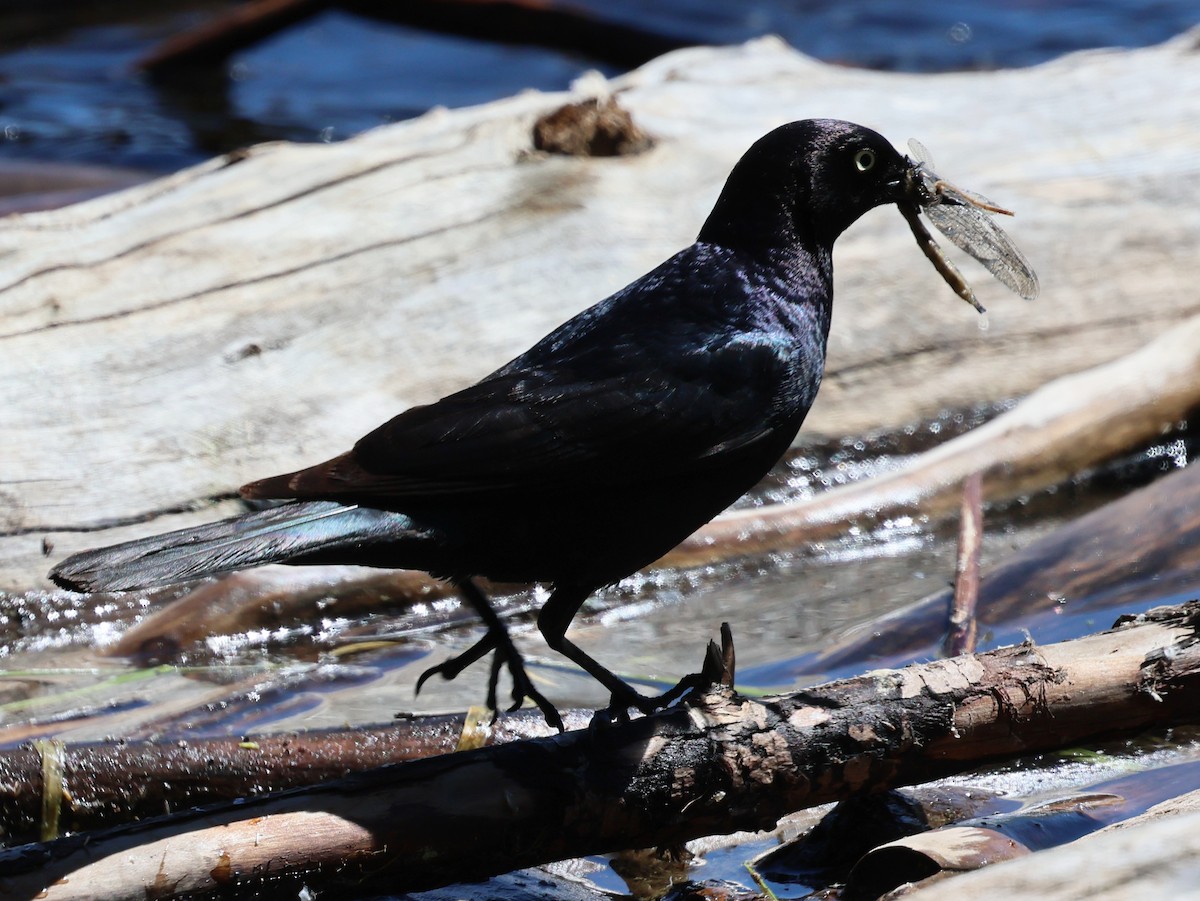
(300, 531)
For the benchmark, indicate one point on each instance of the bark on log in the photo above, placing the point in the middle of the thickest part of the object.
(253, 314)
(727, 763)
(104, 783)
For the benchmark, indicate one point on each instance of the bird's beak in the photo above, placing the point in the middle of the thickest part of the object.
(917, 184)
(908, 186)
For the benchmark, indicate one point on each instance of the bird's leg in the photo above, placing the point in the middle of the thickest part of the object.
(497, 639)
(552, 622)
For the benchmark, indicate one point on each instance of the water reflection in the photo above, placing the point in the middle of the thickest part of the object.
(68, 90)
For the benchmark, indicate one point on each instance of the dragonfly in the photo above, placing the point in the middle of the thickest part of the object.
(966, 219)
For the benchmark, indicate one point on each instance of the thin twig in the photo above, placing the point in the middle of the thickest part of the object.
(960, 637)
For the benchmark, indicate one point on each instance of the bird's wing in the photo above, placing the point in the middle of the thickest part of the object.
(536, 427)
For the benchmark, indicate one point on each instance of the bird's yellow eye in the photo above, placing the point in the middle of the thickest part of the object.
(864, 160)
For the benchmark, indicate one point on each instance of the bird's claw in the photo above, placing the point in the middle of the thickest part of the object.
(450, 669)
(522, 689)
(425, 676)
(551, 715)
(621, 702)
(447, 669)
(504, 653)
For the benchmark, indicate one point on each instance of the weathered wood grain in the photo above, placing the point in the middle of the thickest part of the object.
(160, 346)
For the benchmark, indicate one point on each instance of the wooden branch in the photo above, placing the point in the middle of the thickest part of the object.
(726, 764)
(960, 637)
(820, 851)
(27, 186)
(547, 23)
(951, 849)
(273, 595)
(109, 782)
(103, 783)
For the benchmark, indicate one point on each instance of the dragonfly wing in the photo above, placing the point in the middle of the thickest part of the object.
(974, 231)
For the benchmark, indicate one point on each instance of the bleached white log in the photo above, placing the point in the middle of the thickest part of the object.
(160, 346)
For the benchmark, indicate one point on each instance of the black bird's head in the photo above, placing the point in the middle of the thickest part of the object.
(803, 184)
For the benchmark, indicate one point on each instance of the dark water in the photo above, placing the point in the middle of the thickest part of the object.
(68, 89)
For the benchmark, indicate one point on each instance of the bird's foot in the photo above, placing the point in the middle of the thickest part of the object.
(717, 669)
(505, 653)
(622, 701)
(522, 687)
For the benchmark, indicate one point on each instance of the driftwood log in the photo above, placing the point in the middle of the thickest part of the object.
(724, 764)
(108, 782)
(163, 345)
(963, 629)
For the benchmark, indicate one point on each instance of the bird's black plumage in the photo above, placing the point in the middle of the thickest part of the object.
(603, 445)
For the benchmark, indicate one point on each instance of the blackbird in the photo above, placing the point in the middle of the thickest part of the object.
(604, 445)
